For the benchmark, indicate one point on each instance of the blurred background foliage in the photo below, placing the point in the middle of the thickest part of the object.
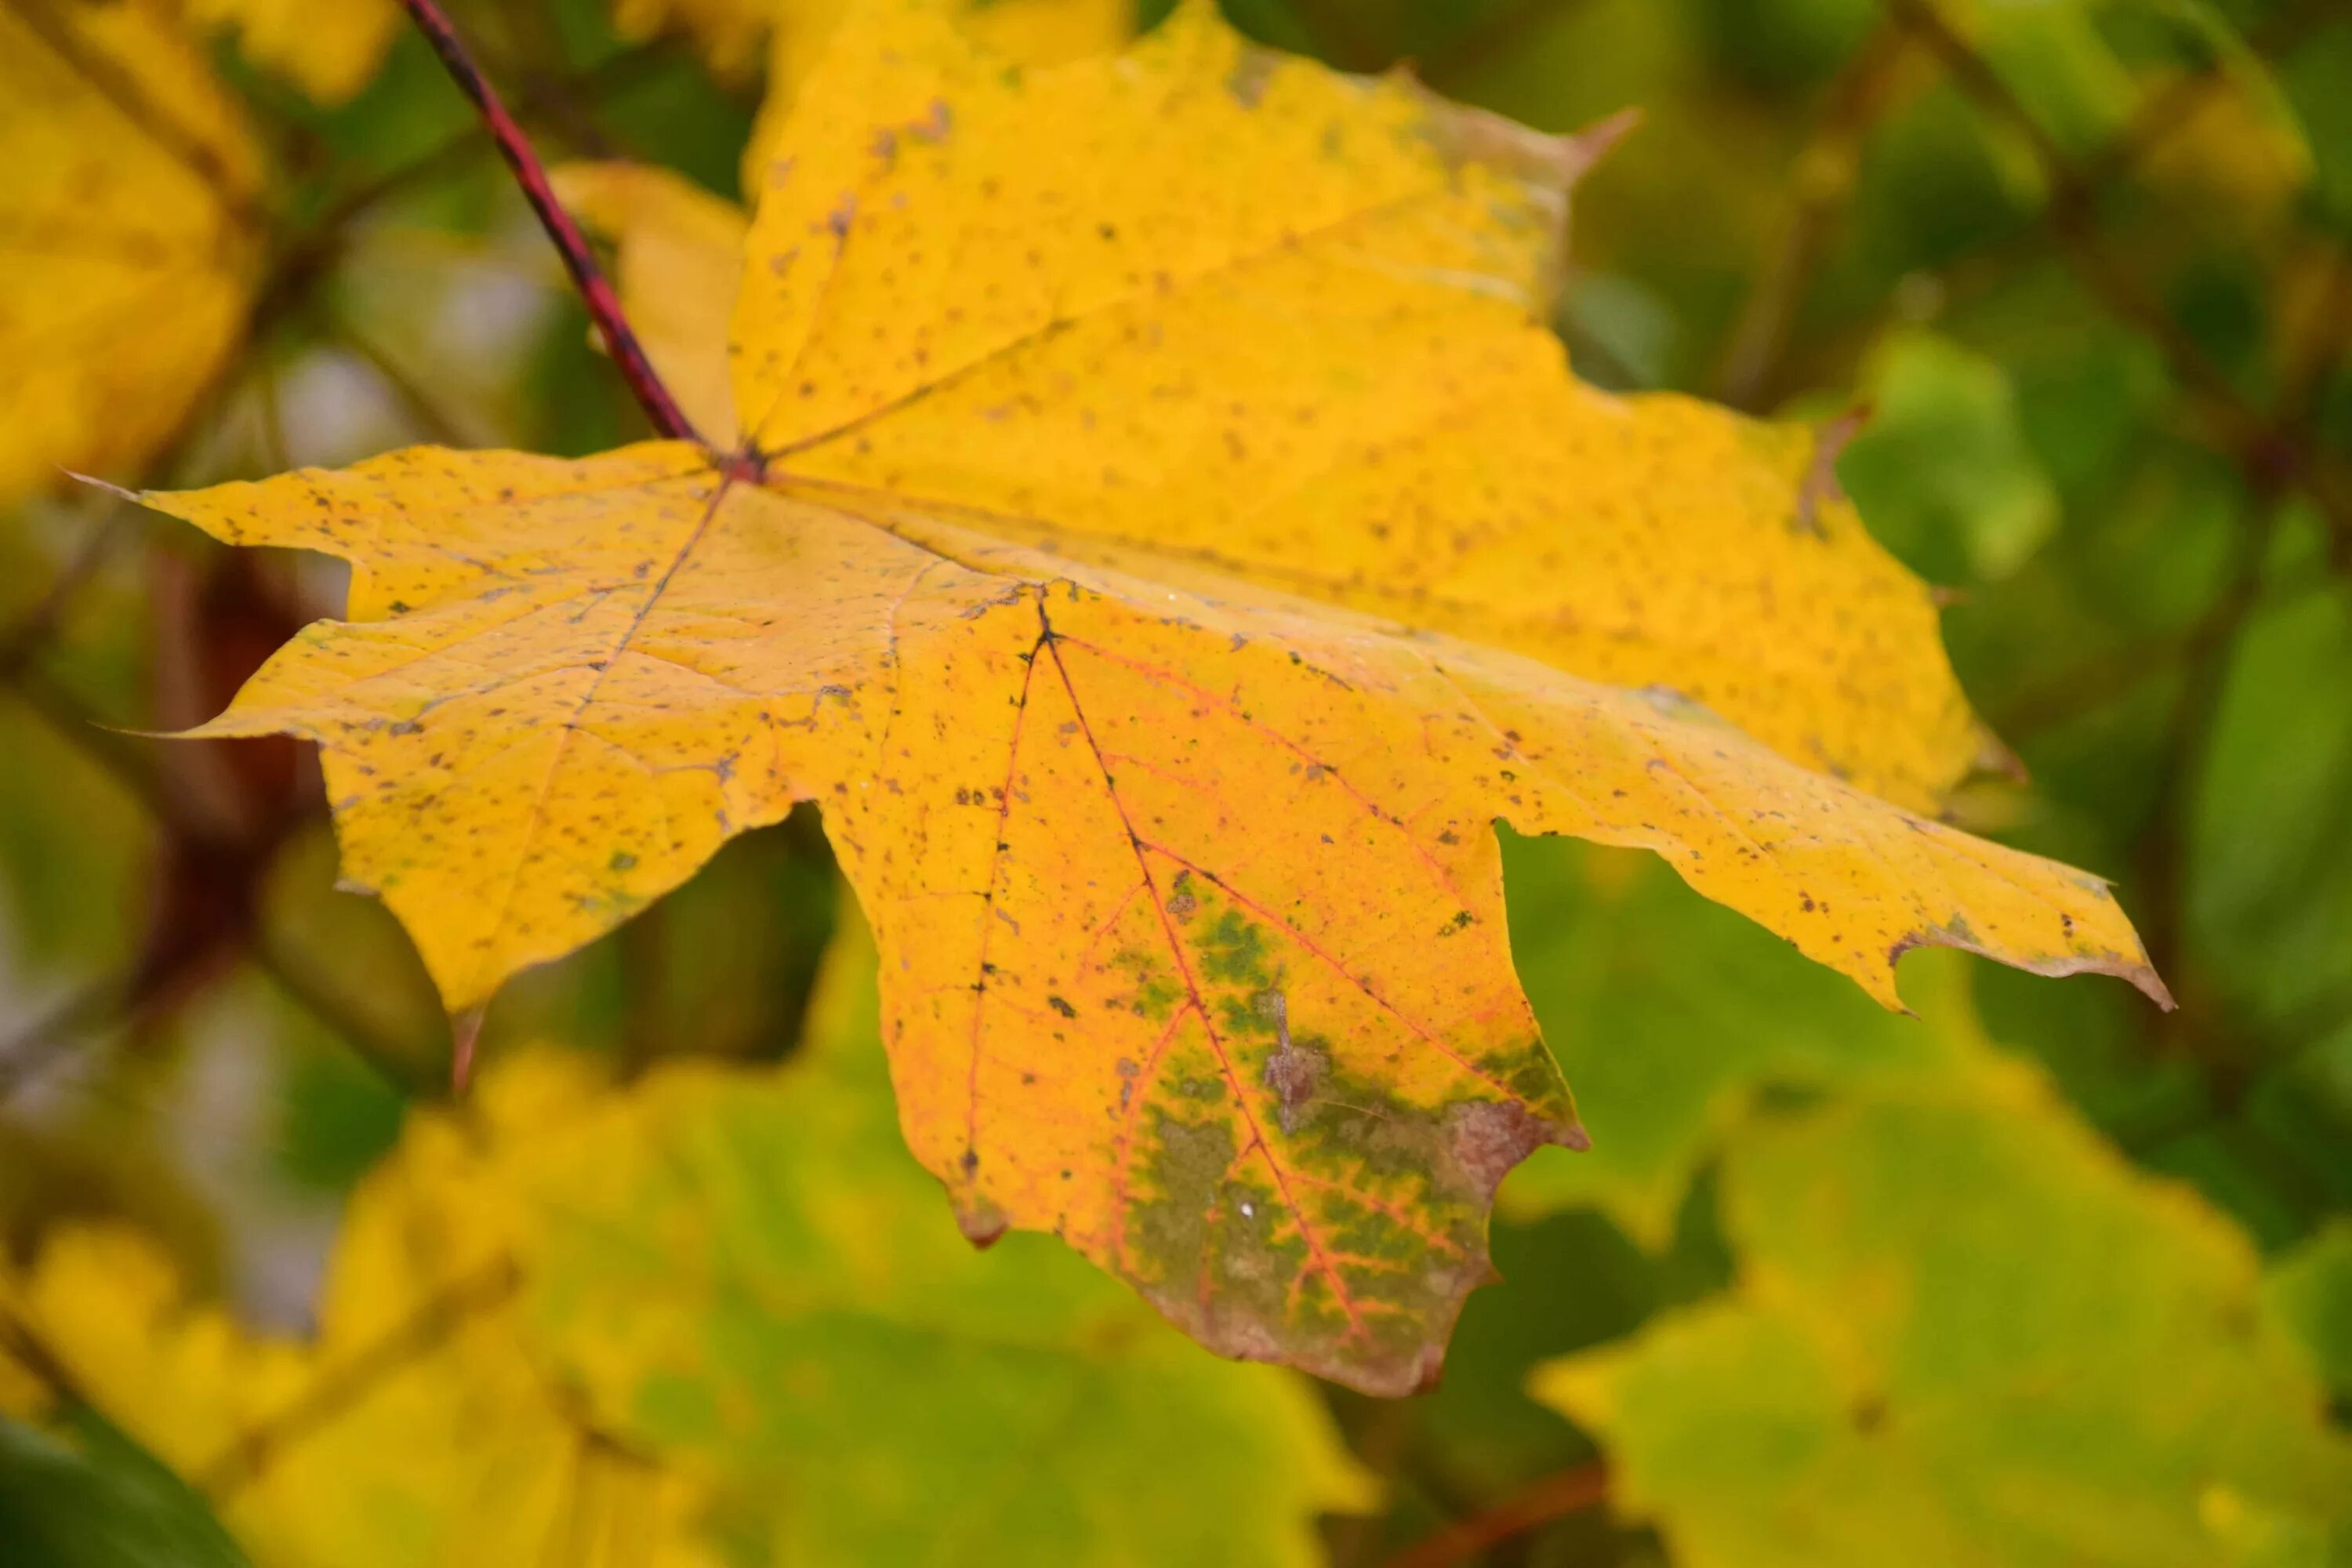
(2037, 1276)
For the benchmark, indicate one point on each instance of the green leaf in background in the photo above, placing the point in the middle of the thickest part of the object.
(2311, 1292)
(97, 1501)
(1966, 1333)
(751, 1275)
(2053, 56)
(2313, 79)
(716, 1317)
(1943, 469)
(2271, 890)
(1672, 1014)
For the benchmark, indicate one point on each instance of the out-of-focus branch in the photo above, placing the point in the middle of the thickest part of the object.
(1823, 181)
(436, 1319)
(99, 1003)
(622, 70)
(2267, 450)
(24, 1345)
(1556, 1496)
(22, 640)
(603, 306)
(2175, 105)
(423, 409)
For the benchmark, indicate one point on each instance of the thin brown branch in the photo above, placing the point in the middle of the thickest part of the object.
(615, 74)
(334, 1394)
(22, 1344)
(2267, 451)
(116, 757)
(1556, 1496)
(34, 1049)
(424, 411)
(603, 306)
(1823, 181)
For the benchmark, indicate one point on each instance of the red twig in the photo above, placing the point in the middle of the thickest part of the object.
(603, 305)
(1555, 1497)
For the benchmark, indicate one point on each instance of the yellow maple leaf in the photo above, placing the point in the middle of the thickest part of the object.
(731, 33)
(328, 51)
(1107, 560)
(128, 241)
(1029, 32)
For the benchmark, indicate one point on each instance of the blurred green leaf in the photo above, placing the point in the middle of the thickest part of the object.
(2054, 58)
(95, 1501)
(753, 1276)
(719, 1312)
(2314, 78)
(1965, 1333)
(1670, 1013)
(1943, 469)
(2311, 1290)
(2271, 847)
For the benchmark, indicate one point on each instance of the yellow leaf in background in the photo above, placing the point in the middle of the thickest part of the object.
(1109, 580)
(732, 32)
(729, 32)
(587, 1326)
(2235, 158)
(415, 1428)
(328, 51)
(734, 1269)
(129, 249)
(681, 257)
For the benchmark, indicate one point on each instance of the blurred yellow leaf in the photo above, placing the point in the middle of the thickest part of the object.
(128, 241)
(413, 1429)
(729, 32)
(1105, 561)
(681, 257)
(328, 51)
(586, 1326)
(2234, 161)
(732, 32)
